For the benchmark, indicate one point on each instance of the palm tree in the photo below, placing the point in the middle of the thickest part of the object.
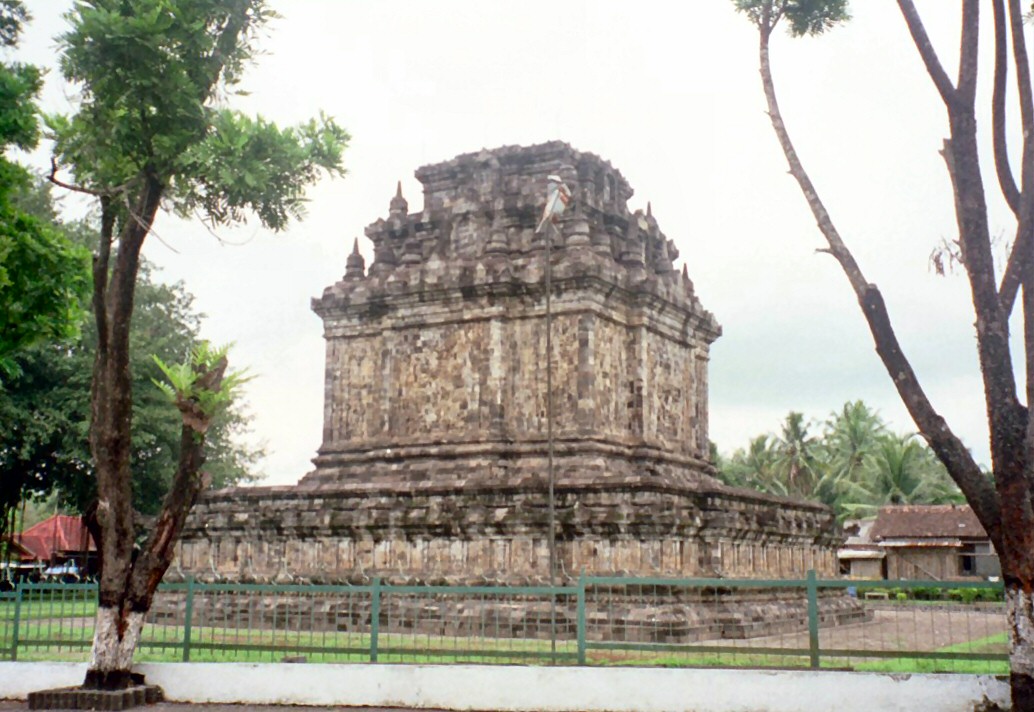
(905, 471)
(850, 439)
(797, 463)
(753, 467)
(850, 436)
(855, 466)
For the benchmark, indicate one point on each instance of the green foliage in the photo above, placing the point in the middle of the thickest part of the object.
(45, 407)
(803, 17)
(966, 595)
(940, 594)
(19, 86)
(855, 465)
(249, 164)
(44, 444)
(149, 73)
(151, 128)
(146, 70)
(43, 277)
(12, 16)
(185, 381)
(149, 132)
(926, 593)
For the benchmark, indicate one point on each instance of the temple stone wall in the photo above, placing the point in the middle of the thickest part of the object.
(489, 384)
(336, 560)
(264, 534)
(434, 461)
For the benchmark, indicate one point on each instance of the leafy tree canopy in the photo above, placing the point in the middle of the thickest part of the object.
(803, 17)
(42, 275)
(45, 407)
(148, 72)
(855, 464)
(151, 131)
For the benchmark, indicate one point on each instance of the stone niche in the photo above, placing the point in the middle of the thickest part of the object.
(433, 466)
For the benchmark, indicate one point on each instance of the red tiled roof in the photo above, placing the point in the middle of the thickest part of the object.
(59, 533)
(19, 552)
(927, 521)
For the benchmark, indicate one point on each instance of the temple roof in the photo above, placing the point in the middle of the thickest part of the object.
(478, 225)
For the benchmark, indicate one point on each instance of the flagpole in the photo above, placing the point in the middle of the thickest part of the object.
(549, 438)
(557, 197)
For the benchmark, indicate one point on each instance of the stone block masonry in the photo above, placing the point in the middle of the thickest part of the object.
(433, 462)
(456, 536)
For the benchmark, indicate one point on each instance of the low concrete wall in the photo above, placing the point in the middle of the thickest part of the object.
(538, 689)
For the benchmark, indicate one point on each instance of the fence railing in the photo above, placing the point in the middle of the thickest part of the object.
(899, 626)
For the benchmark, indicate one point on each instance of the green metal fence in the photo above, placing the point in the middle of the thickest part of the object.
(900, 626)
(895, 626)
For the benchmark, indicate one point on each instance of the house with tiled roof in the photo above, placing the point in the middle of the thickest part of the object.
(17, 552)
(60, 538)
(937, 542)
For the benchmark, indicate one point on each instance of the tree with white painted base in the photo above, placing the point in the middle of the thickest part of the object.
(148, 135)
(1004, 504)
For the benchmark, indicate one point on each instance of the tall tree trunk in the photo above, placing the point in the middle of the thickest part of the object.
(119, 621)
(118, 627)
(1006, 509)
(1019, 605)
(948, 447)
(150, 146)
(115, 638)
(120, 615)
(1016, 552)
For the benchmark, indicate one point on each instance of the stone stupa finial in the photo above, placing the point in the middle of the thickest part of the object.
(355, 265)
(398, 205)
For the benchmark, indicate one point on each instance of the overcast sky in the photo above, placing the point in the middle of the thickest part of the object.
(669, 93)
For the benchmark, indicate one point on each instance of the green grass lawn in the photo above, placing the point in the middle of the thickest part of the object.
(49, 608)
(997, 644)
(48, 640)
(61, 628)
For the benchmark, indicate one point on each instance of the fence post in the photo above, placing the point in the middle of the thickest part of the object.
(17, 619)
(375, 617)
(581, 618)
(188, 617)
(813, 619)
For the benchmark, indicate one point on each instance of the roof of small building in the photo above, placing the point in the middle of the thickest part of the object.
(61, 532)
(858, 532)
(927, 522)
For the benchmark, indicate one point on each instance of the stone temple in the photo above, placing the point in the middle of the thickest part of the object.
(433, 462)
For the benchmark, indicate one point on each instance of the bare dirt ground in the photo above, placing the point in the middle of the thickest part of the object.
(911, 628)
(952, 630)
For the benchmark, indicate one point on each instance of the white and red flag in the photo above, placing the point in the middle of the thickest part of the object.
(558, 195)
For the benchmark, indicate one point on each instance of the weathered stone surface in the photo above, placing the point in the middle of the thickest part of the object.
(435, 362)
(433, 466)
(465, 534)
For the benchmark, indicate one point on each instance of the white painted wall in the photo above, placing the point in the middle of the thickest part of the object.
(17, 680)
(537, 689)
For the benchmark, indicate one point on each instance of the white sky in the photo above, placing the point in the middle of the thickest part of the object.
(668, 93)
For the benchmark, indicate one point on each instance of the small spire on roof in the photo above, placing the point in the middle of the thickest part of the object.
(355, 265)
(399, 205)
